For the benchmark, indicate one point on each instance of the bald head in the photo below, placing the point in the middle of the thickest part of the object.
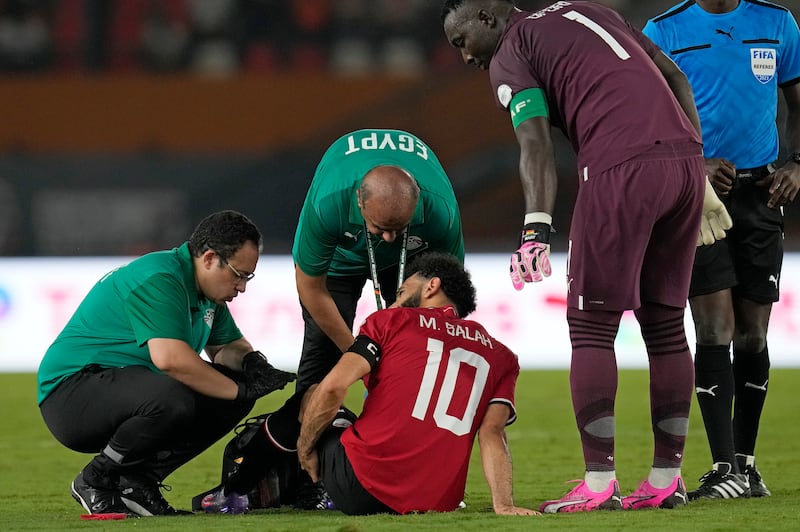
(387, 198)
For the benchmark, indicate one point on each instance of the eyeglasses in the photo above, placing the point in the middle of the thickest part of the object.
(239, 275)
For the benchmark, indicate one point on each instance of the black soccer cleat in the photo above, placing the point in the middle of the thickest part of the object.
(757, 486)
(97, 500)
(721, 483)
(145, 499)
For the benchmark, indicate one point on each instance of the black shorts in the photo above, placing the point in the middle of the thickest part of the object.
(340, 480)
(750, 258)
(320, 354)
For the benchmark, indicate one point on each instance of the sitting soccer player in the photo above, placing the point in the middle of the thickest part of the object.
(434, 382)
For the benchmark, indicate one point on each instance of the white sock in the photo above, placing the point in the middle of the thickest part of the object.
(662, 477)
(598, 481)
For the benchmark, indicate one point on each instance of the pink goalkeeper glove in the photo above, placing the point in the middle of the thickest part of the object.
(531, 262)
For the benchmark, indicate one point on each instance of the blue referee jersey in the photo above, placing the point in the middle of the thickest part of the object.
(735, 63)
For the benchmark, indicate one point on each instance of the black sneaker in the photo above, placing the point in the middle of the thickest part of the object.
(313, 496)
(97, 500)
(757, 486)
(721, 483)
(145, 499)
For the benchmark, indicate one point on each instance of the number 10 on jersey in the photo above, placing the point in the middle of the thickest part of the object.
(455, 357)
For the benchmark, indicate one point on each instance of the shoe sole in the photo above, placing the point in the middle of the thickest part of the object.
(558, 507)
(694, 496)
(136, 508)
(78, 498)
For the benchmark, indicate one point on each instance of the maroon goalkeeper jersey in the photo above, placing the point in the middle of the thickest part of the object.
(603, 89)
(426, 397)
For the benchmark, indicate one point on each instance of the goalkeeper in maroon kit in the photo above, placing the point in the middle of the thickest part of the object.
(629, 114)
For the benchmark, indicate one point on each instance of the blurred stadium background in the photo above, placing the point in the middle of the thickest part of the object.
(125, 121)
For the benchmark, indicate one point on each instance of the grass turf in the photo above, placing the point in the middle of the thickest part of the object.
(35, 470)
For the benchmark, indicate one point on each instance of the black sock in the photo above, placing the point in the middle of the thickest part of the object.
(751, 374)
(714, 390)
(283, 425)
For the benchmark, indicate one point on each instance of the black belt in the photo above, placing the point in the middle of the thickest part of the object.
(748, 176)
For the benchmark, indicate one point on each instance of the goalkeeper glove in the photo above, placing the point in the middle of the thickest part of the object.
(531, 262)
(715, 219)
(260, 377)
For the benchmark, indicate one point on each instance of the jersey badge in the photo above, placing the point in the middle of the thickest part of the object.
(414, 242)
(504, 95)
(209, 317)
(762, 63)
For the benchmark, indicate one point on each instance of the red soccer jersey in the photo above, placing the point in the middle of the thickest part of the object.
(603, 89)
(426, 397)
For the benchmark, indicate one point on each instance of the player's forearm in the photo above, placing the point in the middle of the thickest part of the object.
(231, 355)
(185, 366)
(537, 166)
(317, 416)
(793, 130)
(327, 317)
(318, 302)
(497, 469)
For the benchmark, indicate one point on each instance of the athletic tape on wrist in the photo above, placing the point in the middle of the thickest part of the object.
(538, 218)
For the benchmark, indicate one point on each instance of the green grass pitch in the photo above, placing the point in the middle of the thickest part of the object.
(35, 471)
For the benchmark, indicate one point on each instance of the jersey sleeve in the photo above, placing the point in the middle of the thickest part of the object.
(789, 67)
(511, 71)
(159, 308)
(315, 242)
(224, 330)
(508, 371)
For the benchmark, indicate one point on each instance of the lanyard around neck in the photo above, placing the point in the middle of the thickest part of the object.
(373, 267)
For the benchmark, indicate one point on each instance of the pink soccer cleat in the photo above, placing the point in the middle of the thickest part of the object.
(582, 499)
(646, 496)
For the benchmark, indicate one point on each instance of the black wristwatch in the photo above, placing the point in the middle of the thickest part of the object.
(794, 157)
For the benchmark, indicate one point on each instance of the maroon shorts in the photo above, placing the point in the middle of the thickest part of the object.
(634, 231)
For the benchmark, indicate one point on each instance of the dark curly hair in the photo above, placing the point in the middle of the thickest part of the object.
(225, 232)
(456, 282)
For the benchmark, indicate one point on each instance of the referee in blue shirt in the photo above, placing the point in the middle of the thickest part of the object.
(736, 54)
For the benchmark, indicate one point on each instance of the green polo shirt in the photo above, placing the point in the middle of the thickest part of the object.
(155, 296)
(330, 236)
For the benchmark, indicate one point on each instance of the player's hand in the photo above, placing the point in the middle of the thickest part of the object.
(721, 173)
(531, 262)
(783, 185)
(715, 219)
(309, 462)
(260, 377)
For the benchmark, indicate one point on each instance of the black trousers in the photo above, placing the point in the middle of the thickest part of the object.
(147, 423)
(320, 354)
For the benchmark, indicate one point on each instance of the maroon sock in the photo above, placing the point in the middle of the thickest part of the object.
(671, 380)
(593, 383)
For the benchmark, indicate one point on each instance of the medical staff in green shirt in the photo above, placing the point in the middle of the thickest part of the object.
(124, 379)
